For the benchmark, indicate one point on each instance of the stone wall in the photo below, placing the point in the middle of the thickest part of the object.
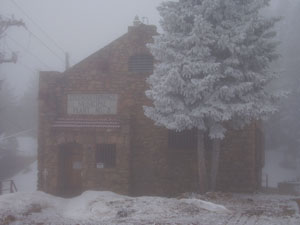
(238, 161)
(145, 163)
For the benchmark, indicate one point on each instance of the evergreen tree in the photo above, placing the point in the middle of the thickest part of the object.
(214, 58)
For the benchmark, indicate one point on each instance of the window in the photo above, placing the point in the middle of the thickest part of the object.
(186, 139)
(140, 64)
(106, 156)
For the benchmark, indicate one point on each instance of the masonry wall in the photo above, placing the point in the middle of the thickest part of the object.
(145, 163)
(240, 164)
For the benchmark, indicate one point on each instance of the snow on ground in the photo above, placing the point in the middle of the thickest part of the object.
(275, 172)
(96, 208)
(26, 180)
(27, 146)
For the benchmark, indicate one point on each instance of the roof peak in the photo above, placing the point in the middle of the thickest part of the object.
(142, 25)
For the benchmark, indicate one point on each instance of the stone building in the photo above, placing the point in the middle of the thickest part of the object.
(93, 134)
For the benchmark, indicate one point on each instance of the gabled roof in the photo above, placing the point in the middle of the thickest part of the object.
(102, 56)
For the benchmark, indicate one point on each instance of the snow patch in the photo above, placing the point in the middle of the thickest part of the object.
(207, 205)
(94, 208)
(26, 180)
(27, 146)
(100, 207)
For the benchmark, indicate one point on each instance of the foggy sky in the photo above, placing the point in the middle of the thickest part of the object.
(79, 27)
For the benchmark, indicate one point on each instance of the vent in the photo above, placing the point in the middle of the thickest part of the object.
(141, 64)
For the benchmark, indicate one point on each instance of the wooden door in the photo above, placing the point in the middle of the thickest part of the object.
(71, 170)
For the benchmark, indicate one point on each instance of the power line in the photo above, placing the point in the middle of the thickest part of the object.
(24, 65)
(41, 29)
(34, 35)
(45, 45)
(28, 52)
(27, 67)
(16, 134)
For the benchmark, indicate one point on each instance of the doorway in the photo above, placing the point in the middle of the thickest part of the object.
(70, 170)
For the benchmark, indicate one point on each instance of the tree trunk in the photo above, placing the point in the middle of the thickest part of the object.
(202, 173)
(214, 163)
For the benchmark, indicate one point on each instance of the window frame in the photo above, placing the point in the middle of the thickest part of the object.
(105, 154)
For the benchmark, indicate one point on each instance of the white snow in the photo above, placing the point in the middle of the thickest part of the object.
(27, 146)
(26, 180)
(95, 207)
(206, 205)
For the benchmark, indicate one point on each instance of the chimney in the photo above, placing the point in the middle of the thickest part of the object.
(140, 26)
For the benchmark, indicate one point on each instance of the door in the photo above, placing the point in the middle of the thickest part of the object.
(71, 170)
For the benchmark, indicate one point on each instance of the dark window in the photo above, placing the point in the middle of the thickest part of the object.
(183, 140)
(106, 156)
(140, 64)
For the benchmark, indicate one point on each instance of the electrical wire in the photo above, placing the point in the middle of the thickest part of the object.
(34, 35)
(45, 45)
(16, 134)
(27, 67)
(24, 65)
(27, 51)
(38, 26)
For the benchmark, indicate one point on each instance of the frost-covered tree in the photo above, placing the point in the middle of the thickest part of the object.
(213, 66)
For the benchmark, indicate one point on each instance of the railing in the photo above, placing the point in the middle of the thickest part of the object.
(7, 186)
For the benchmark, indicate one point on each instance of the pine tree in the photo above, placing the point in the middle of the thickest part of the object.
(213, 66)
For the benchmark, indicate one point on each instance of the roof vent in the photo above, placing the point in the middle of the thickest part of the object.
(140, 64)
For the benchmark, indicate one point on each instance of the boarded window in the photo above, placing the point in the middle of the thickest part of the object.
(140, 64)
(186, 139)
(106, 156)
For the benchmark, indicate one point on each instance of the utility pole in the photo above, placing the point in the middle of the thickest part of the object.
(4, 25)
(67, 60)
(12, 59)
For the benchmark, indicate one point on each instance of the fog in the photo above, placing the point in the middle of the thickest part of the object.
(282, 130)
(52, 29)
(83, 27)
(77, 27)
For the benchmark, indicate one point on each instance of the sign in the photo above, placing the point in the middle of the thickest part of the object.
(99, 165)
(92, 104)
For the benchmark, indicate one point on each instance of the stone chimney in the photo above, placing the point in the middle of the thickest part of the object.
(139, 26)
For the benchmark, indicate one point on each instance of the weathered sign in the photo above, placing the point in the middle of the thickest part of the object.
(92, 104)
